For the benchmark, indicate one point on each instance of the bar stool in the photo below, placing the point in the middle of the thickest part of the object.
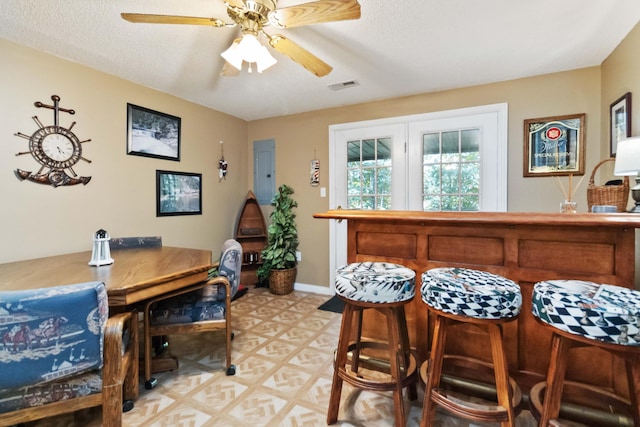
(386, 288)
(580, 313)
(488, 301)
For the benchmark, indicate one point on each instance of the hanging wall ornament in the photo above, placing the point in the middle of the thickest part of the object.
(222, 164)
(315, 173)
(314, 176)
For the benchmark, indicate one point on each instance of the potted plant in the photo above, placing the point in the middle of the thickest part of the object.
(279, 257)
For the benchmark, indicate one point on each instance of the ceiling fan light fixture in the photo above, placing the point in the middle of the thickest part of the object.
(233, 56)
(248, 49)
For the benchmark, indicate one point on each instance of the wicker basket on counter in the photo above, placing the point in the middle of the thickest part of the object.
(611, 195)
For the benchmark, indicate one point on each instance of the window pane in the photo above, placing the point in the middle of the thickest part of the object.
(384, 202)
(353, 182)
(450, 147)
(368, 202)
(354, 203)
(470, 203)
(450, 203)
(384, 180)
(431, 203)
(470, 174)
(368, 152)
(353, 153)
(451, 170)
(383, 152)
(368, 181)
(431, 181)
(450, 179)
(431, 148)
(470, 145)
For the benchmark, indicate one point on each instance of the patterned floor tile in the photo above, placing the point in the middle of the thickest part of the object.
(283, 349)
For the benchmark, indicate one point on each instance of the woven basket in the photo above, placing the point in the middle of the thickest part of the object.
(281, 281)
(611, 195)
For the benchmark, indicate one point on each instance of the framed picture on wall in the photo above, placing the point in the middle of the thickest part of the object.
(619, 121)
(554, 146)
(152, 133)
(178, 193)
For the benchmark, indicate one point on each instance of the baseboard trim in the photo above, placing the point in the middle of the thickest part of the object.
(305, 287)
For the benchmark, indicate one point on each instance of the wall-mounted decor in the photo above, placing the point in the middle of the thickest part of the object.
(619, 121)
(152, 134)
(56, 148)
(554, 146)
(178, 193)
(222, 164)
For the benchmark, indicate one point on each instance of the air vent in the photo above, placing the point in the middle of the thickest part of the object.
(344, 85)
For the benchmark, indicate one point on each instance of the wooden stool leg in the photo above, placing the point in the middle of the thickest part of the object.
(395, 357)
(339, 364)
(355, 356)
(501, 370)
(406, 350)
(435, 369)
(555, 379)
(633, 379)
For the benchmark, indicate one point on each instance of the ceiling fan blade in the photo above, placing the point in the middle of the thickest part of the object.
(229, 70)
(300, 55)
(172, 19)
(314, 13)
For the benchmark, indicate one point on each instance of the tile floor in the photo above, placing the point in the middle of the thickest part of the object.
(283, 350)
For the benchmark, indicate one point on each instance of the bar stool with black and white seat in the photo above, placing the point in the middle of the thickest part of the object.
(385, 288)
(488, 301)
(581, 313)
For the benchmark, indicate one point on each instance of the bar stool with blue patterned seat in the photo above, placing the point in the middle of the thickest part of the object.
(488, 301)
(581, 313)
(386, 288)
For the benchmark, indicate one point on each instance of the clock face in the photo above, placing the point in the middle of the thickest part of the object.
(55, 147)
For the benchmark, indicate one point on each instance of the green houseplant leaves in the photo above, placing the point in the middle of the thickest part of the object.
(282, 233)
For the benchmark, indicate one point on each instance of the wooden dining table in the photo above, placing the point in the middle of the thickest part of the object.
(136, 274)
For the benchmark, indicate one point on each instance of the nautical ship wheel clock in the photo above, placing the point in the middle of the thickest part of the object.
(56, 148)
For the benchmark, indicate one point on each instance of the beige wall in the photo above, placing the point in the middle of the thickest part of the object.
(39, 220)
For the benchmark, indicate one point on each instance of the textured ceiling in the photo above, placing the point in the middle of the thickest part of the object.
(396, 48)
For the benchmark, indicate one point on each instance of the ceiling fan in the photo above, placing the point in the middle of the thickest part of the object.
(252, 16)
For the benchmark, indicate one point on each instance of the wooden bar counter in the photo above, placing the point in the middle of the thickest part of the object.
(524, 247)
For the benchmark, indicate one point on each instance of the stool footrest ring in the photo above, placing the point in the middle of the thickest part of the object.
(476, 411)
(358, 380)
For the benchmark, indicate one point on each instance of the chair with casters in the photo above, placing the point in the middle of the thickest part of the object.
(61, 352)
(202, 307)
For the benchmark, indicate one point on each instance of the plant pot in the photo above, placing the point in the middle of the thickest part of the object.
(281, 281)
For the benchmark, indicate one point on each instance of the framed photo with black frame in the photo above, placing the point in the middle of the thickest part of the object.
(178, 193)
(619, 122)
(554, 146)
(152, 133)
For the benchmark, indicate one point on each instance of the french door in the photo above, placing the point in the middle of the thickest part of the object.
(386, 164)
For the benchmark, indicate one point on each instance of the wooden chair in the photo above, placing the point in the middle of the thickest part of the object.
(205, 306)
(64, 335)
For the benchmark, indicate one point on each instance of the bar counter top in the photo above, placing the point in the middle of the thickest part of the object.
(522, 246)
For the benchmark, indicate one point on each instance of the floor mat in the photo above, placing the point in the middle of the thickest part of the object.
(335, 304)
